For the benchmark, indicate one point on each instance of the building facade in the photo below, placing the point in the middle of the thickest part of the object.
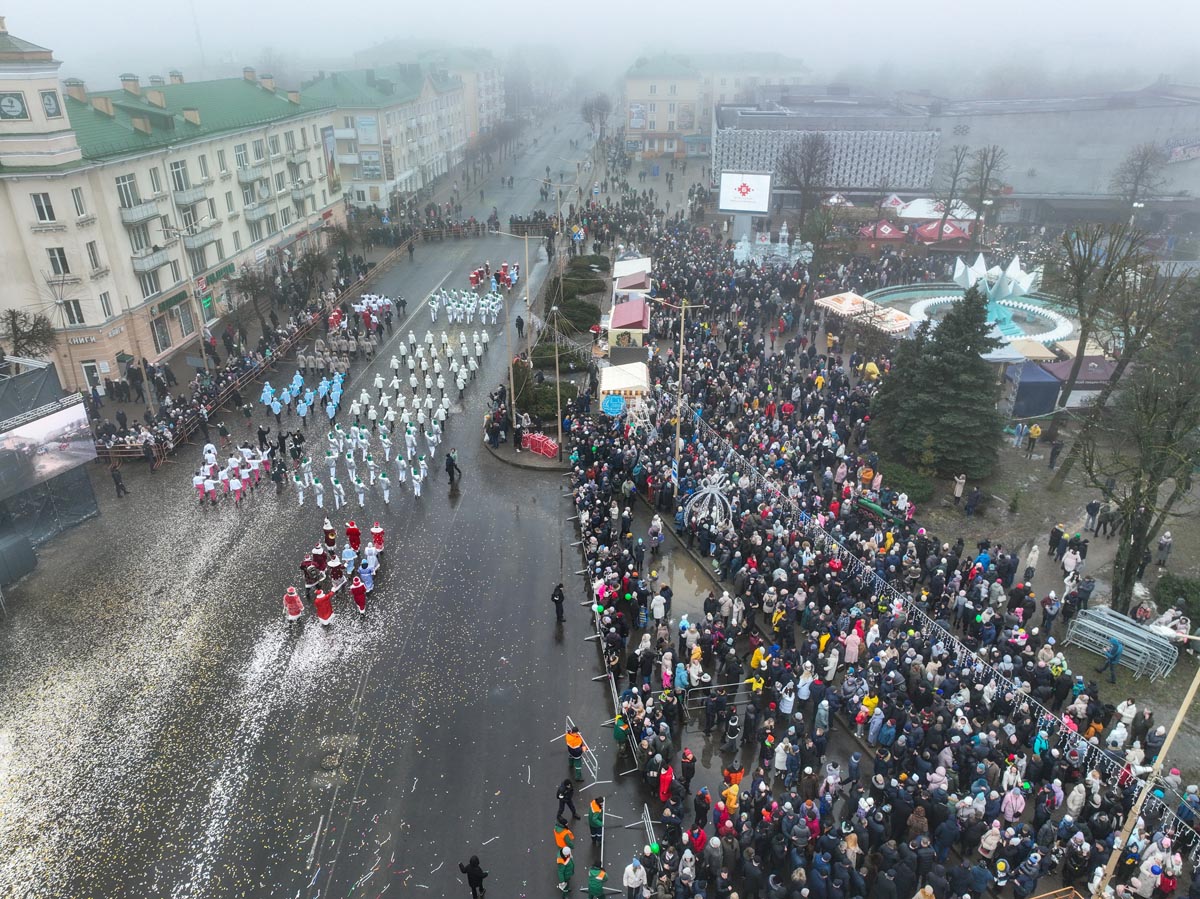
(483, 87)
(125, 214)
(665, 109)
(397, 129)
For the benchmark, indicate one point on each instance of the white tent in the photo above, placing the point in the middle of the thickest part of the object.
(637, 266)
(931, 210)
(629, 380)
(837, 200)
(893, 202)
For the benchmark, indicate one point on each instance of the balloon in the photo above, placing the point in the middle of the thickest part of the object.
(654, 848)
(597, 608)
(979, 618)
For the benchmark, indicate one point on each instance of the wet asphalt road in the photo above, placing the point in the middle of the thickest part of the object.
(164, 732)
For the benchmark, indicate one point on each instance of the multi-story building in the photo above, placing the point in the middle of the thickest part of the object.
(398, 128)
(124, 214)
(665, 108)
(483, 87)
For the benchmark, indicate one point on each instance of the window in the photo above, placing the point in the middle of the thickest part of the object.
(203, 166)
(260, 150)
(285, 216)
(43, 207)
(127, 191)
(672, 91)
(289, 140)
(149, 284)
(93, 253)
(179, 175)
(240, 157)
(248, 195)
(304, 136)
(106, 304)
(273, 144)
(221, 165)
(237, 241)
(156, 180)
(162, 334)
(654, 107)
(653, 89)
(219, 249)
(229, 201)
(348, 121)
(272, 223)
(73, 312)
(187, 216)
(209, 309)
(652, 125)
(77, 199)
(255, 229)
(212, 208)
(139, 238)
(670, 125)
(176, 277)
(58, 260)
(187, 323)
(164, 222)
(198, 259)
(670, 107)
(280, 182)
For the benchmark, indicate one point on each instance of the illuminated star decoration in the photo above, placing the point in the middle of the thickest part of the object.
(711, 502)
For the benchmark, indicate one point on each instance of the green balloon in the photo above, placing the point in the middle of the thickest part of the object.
(979, 618)
(598, 608)
(654, 848)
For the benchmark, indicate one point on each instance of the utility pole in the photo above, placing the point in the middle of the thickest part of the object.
(682, 308)
(1148, 786)
(557, 383)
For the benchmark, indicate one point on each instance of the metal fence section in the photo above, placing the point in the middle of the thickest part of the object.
(1148, 654)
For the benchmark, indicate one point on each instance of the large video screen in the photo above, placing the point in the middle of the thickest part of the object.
(44, 448)
(744, 193)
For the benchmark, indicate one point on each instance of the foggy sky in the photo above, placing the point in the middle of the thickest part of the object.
(944, 45)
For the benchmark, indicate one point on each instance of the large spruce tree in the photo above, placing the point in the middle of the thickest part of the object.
(936, 409)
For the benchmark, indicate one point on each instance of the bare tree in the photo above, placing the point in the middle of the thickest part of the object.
(1092, 261)
(603, 111)
(31, 335)
(310, 271)
(883, 189)
(1140, 174)
(954, 183)
(804, 166)
(987, 165)
(587, 111)
(252, 285)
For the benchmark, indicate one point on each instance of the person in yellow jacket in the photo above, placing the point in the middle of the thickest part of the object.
(730, 795)
(756, 683)
(756, 660)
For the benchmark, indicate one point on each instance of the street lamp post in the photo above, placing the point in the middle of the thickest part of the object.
(525, 275)
(180, 233)
(682, 308)
(1134, 813)
(1137, 204)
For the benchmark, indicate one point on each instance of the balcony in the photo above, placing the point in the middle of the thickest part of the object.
(249, 174)
(256, 212)
(190, 196)
(201, 236)
(298, 156)
(301, 190)
(150, 259)
(345, 133)
(142, 212)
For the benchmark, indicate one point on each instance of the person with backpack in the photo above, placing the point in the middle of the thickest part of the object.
(475, 876)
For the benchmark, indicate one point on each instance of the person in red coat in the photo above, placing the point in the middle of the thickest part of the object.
(358, 592)
(354, 536)
(324, 606)
(293, 606)
(665, 778)
(377, 537)
(318, 557)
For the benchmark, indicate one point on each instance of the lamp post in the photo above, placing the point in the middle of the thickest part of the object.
(1134, 813)
(1136, 205)
(557, 384)
(187, 265)
(682, 308)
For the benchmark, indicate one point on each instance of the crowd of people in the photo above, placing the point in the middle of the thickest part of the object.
(981, 758)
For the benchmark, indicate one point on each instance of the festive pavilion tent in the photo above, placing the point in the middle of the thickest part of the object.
(937, 232)
(631, 380)
(882, 230)
(930, 210)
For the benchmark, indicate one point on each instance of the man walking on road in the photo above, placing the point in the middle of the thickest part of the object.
(452, 465)
(558, 597)
(122, 490)
(566, 799)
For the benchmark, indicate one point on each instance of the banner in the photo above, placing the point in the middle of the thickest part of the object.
(329, 148)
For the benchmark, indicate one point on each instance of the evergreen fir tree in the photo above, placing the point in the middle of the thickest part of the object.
(937, 407)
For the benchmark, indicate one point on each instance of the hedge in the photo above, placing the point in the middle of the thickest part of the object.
(587, 262)
(1171, 587)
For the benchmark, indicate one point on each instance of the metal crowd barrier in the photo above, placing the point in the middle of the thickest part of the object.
(1148, 654)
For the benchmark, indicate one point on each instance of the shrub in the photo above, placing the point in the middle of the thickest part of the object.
(540, 401)
(903, 479)
(1171, 587)
(576, 316)
(585, 263)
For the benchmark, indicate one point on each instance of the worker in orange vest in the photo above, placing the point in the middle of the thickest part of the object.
(575, 747)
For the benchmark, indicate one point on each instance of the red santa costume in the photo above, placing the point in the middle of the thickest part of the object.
(353, 536)
(293, 606)
(324, 607)
(358, 592)
(337, 573)
(377, 537)
(318, 558)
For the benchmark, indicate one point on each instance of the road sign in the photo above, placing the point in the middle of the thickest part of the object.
(578, 235)
(675, 473)
(201, 284)
(596, 191)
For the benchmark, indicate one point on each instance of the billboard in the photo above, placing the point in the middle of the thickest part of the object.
(329, 148)
(744, 193)
(44, 448)
(686, 119)
(637, 116)
(368, 130)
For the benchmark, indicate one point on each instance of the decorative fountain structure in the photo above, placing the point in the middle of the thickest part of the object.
(1008, 291)
(781, 252)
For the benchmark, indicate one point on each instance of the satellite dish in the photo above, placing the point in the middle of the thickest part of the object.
(264, 191)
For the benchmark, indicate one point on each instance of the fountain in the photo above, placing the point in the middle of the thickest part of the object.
(998, 285)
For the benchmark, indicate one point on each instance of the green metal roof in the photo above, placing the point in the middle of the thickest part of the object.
(10, 44)
(378, 87)
(224, 105)
(662, 67)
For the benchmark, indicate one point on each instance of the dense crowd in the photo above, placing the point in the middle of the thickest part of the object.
(840, 612)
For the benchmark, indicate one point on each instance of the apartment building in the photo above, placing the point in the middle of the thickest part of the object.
(125, 214)
(397, 128)
(483, 87)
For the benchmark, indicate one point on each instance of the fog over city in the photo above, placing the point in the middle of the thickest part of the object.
(1007, 49)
